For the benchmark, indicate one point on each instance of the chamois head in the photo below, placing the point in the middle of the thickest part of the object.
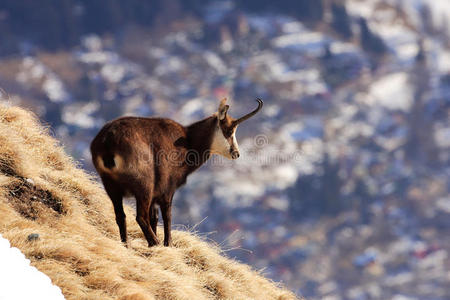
(224, 142)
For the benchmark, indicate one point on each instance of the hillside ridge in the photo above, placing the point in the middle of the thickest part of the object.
(44, 192)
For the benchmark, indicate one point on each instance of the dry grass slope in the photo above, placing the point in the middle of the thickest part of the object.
(43, 191)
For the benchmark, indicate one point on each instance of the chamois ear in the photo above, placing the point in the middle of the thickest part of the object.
(223, 108)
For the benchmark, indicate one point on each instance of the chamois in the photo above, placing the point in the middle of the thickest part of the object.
(149, 158)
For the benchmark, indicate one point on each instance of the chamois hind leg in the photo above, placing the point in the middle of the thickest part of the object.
(153, 216)
(116, 194)
(166, 212)
(143, 202)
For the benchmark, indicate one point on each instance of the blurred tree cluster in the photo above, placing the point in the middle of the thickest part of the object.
(370, 41)
(53, 24)
(304, 10)
(341, 21)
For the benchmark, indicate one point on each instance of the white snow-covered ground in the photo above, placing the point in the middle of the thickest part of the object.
(19, 280)
(392, 92)
(441, 12)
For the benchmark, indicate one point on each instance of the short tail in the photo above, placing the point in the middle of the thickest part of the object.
(108, 161)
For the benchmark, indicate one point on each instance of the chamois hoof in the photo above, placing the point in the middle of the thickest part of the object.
(154, 243)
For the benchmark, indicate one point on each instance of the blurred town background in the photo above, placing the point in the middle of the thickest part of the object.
(342, 188)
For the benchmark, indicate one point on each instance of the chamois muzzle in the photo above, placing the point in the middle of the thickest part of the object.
(249, 115)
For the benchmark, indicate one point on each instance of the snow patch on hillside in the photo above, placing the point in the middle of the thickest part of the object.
(392, 91)
(441, 12)
(22, 281)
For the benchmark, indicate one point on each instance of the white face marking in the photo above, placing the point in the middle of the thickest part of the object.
(221, 146)
(235, 143)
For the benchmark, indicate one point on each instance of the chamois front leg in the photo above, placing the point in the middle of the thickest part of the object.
(166, 212)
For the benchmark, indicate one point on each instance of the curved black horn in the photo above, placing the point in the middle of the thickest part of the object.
(249, 115)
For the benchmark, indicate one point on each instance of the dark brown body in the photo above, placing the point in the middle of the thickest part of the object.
(149, 158)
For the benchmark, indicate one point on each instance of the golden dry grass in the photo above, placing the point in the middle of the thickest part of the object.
(43, 191)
